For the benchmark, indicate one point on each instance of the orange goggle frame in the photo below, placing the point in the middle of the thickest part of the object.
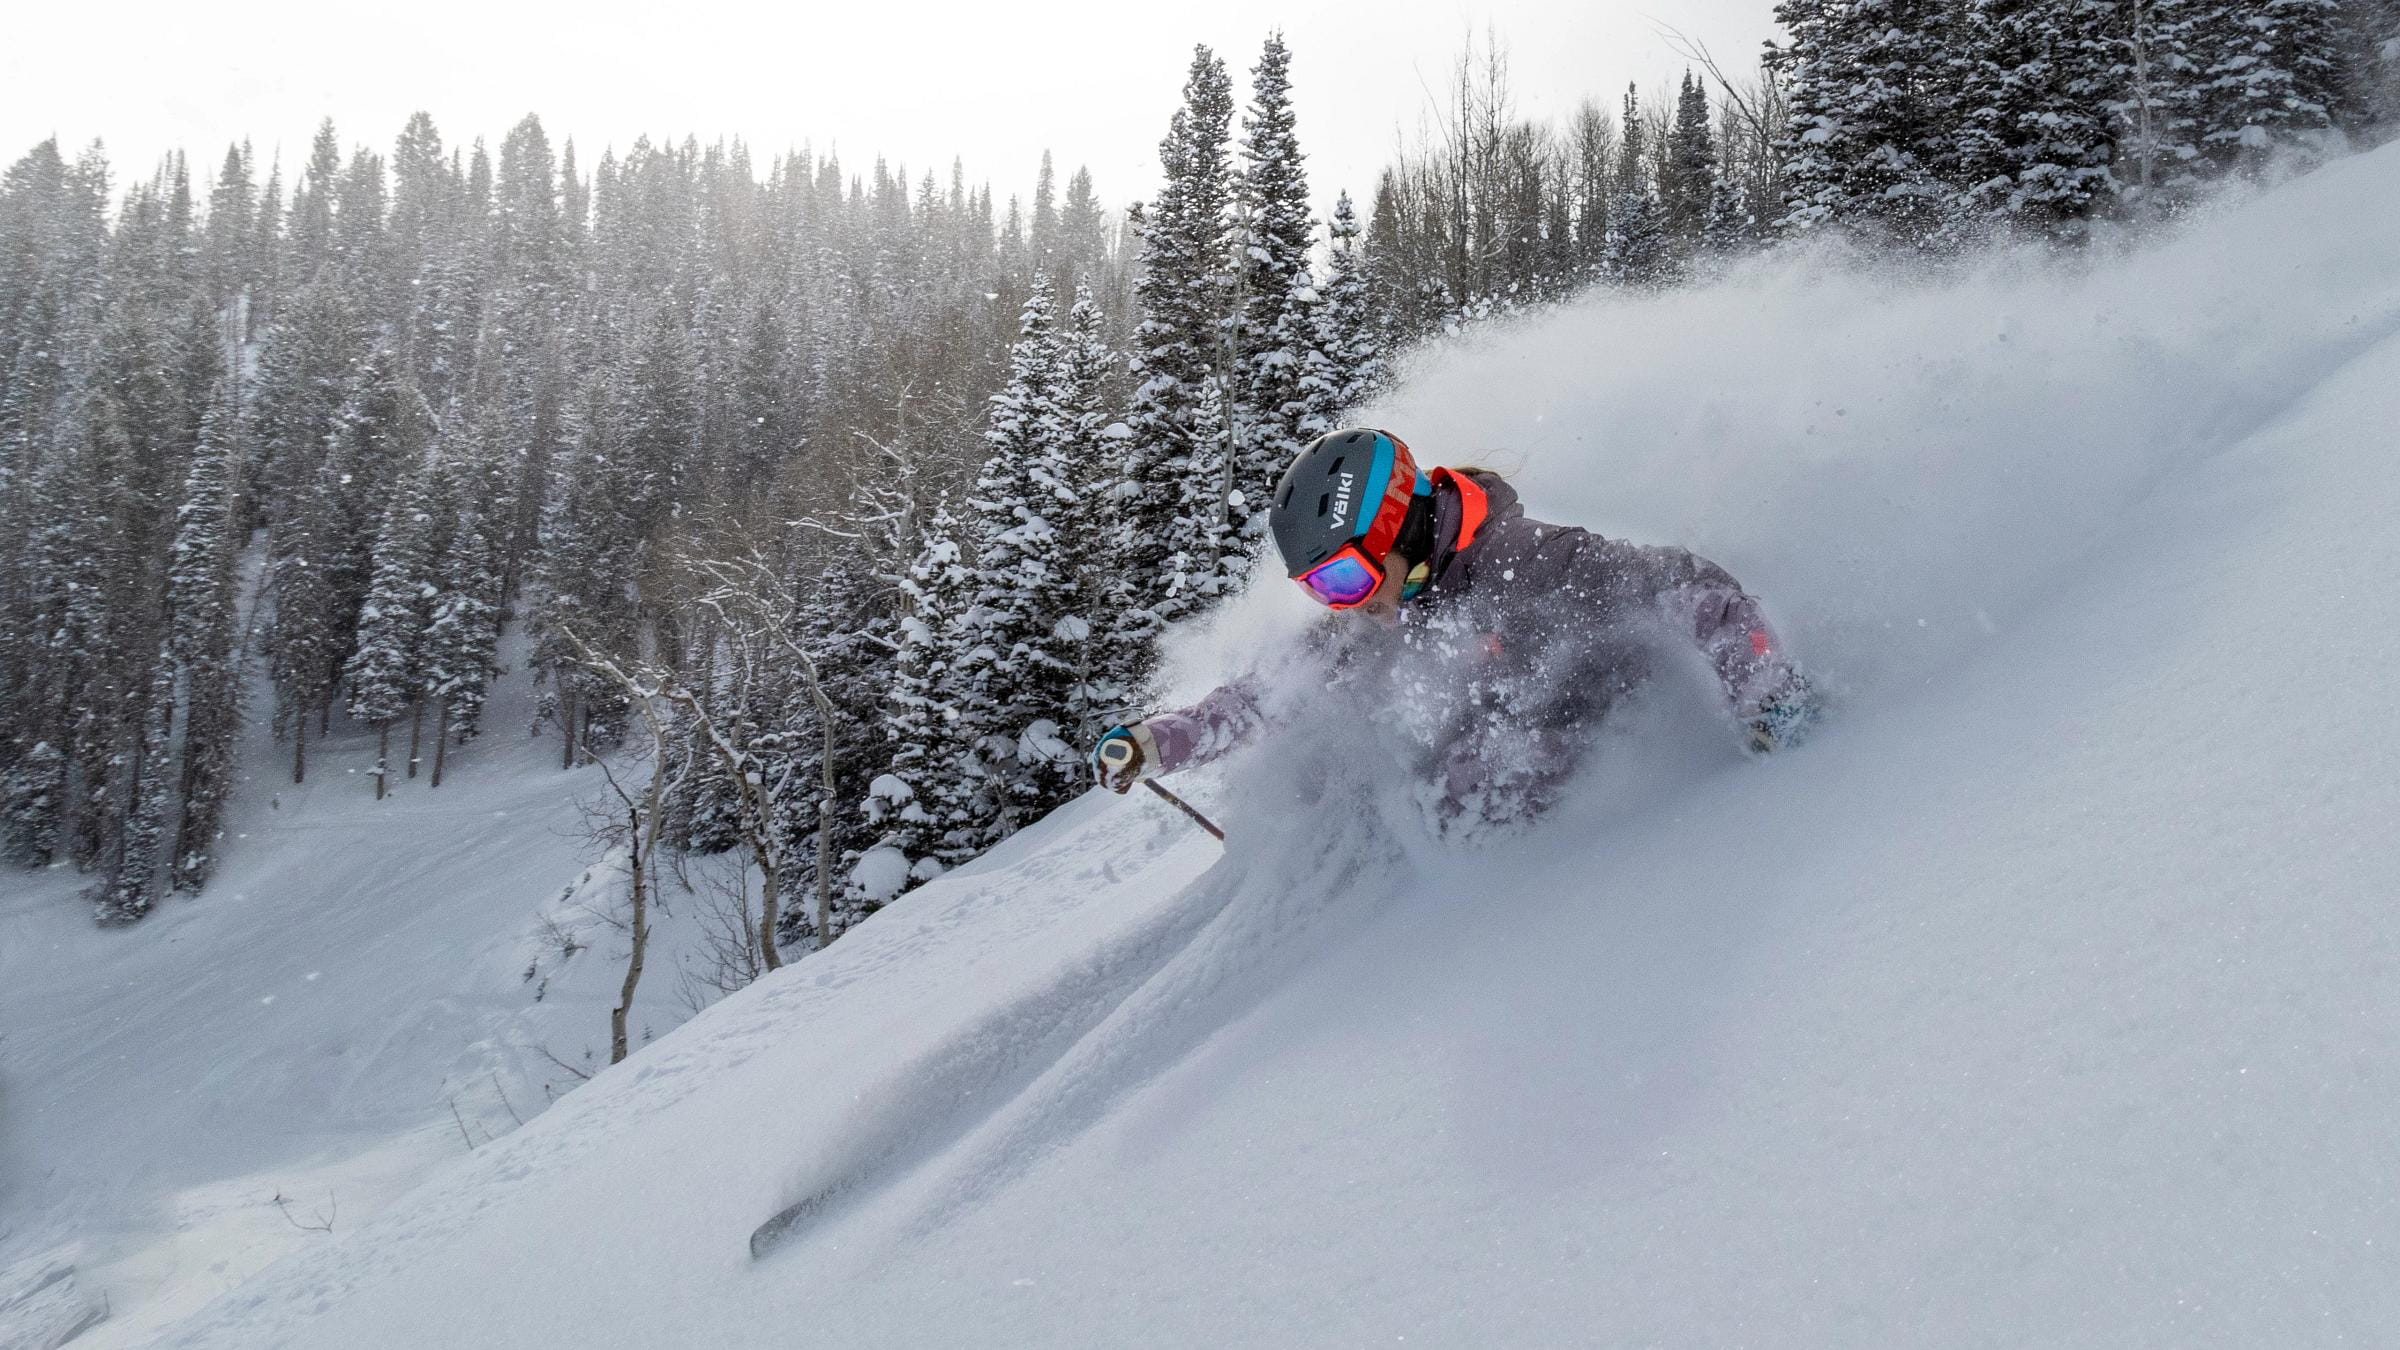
(1346, 580)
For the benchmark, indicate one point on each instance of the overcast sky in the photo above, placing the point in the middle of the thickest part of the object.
(919, 83)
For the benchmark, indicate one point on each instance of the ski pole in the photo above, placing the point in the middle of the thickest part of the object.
(1186, 807)
(1119, 752)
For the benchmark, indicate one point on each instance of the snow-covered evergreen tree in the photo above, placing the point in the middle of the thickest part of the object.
(2034, 126)
(2268, 77)
(588, 548)
(144, 834)
(1635, 252)
(306, 358)
(923, 804)
(1276, 323)
(1733, 225)
(201, 600)
(1177, 416)
(1345, 353)
(1688, 178)
(1869, 140)
(386, 672)
(1086, 456)
(462, 629)
(1012, 676)
(306, 643)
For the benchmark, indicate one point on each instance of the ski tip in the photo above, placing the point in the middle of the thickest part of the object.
(763, 1239)
(771, 1234)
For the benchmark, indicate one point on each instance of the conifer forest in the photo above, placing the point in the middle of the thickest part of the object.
(850, 502)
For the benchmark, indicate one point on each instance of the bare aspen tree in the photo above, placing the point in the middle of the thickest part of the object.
(642, 828)
(758, 612)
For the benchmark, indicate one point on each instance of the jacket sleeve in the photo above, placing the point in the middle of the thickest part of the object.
(1189, 737)
(1699, 601)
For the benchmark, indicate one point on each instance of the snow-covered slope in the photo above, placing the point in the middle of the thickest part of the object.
(2046, 998)
(366, 987)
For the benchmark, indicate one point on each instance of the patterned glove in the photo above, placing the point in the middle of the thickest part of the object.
(1784, 718)
(1124, 756)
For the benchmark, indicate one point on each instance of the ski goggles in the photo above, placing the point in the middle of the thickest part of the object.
(1346, 580)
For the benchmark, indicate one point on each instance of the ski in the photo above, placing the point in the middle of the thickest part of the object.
(772, 1234)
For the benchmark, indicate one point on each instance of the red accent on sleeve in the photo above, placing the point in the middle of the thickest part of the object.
(1760, 643)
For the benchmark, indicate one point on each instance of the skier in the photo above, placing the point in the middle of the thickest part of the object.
(1499, 641)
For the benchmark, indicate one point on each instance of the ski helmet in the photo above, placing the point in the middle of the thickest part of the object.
(1353, 486)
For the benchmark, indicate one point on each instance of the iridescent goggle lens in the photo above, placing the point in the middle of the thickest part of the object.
(1342, 581)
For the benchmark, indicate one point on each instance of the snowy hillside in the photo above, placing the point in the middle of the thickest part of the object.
(2046, 998)
(366, 987)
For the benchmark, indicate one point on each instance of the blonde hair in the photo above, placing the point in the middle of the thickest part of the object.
(1491, 466)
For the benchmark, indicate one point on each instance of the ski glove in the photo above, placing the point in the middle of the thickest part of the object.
(1784, 718)
(1123, 757)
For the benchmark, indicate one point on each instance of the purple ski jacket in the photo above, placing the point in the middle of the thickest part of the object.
(1515, 649)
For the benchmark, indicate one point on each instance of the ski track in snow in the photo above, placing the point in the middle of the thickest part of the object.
(1264, 917)
(926, 1102)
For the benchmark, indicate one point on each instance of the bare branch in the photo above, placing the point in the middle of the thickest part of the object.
(584, 1075)
(324, 1220)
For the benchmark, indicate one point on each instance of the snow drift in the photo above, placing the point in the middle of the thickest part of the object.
(2045, 998)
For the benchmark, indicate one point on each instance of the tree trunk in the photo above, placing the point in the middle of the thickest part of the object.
(383, 755)
(441, 740)
(300, 748)
(566, 728)
(325, 716)
(768, 907)
(641, 939)
(416, 733)
(825, 843)
(2141, 92)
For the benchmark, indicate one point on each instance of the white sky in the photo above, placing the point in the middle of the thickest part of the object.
(995, 84)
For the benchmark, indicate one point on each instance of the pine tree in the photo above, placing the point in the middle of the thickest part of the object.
(380, 436)
(1868, 142)
(462, 632)
(1687, 184)
(2269, 76)
(1172, 521)
(1043, 246)
(2371, 78)
(589, 551)
(70, 556)
(1345, 355)
(1082, 241)
(231, 264)
(1088, 453)
(386, 674)
(1276, 322)
(131, 886)
(924, 803)
(306, 642)
(2034, 140)
(306, 361)
(1013, 679)
(1635, 251)
(1733, 225)
(200, 596)
(309, 235)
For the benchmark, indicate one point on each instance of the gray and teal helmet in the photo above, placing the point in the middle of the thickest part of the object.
(1339, 509)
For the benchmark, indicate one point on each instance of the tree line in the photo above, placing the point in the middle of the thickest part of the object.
(1921, 126)
(867, 497)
